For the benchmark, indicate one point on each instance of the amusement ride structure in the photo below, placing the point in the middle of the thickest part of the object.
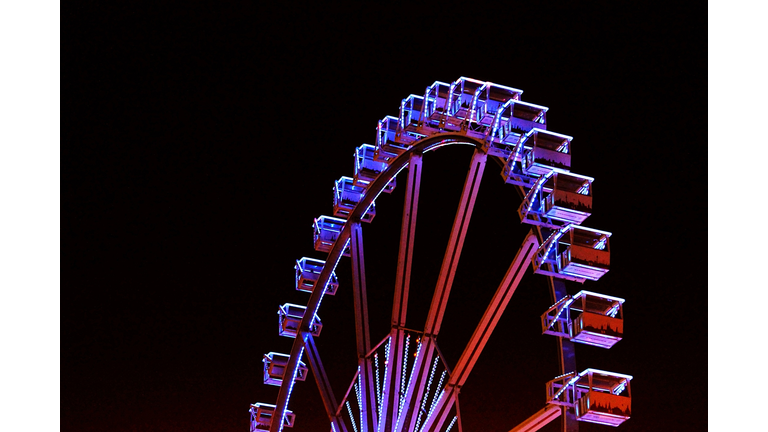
(402, 382)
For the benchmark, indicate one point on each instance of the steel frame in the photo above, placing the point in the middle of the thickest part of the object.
(398, 409)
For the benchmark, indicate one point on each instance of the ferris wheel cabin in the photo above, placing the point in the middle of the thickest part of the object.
(546, 150)
(574, 253)
(290, 316)
(435, 102)
(326, 230)
(537, 153)
(261, 417)
(589, 318)
(308, 271)
(556, 199)
(596, 396)
(387, 145)
(346, 196)
(491, 99)
(367, 168)
(462, 97)
(515, 118)
(274, 369)
(411, 110)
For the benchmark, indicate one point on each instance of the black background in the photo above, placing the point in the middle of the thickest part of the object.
(202, 140)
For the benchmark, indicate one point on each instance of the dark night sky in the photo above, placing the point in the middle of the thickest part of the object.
(203, 140)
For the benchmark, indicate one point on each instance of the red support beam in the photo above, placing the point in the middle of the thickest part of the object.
(483, 332)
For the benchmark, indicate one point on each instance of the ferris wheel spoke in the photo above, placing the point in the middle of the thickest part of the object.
(323, 384)
(362, 331)
(455, 243)
(494, 311)
(407, 233)
(368, 397)
(400, 302)
(483, 332)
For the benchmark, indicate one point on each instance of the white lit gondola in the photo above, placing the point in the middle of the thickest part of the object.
(587, 317)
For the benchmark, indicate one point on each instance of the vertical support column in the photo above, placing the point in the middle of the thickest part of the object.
(415, 390)
(362, 331)
(391, 390)
(407, 233)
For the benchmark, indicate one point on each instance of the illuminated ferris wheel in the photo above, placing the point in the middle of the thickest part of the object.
(402, 382)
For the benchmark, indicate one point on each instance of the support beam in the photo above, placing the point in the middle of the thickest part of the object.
(323, 384)
(483, 332)
(494, 311)
(391, 389)
(458, 415)
(455, 243)
(407, 233)
(539, 420)
(363, 336)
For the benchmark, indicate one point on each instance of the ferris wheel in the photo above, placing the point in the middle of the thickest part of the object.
(403, 382)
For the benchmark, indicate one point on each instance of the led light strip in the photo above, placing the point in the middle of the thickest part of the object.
(474, 101)
(565, 306)
(290, 390)
(378, 385)
(386, 378)
(537, 187)
(401, 399)
(359, 399)
(410, 378)
(351, 417)
(555, 238)
(435, 398)
(451, 425)
(426, 394)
